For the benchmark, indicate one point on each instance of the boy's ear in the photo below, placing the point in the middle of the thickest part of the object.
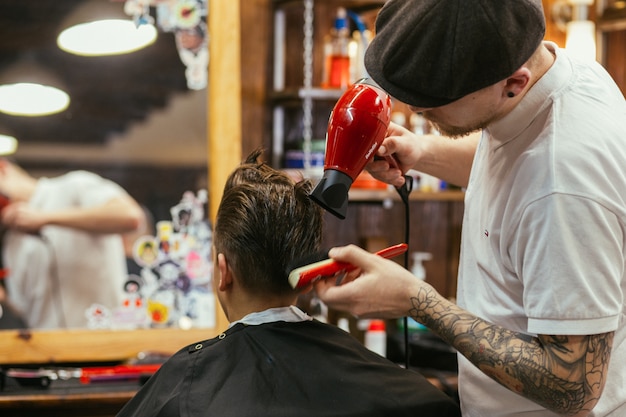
(226, 276)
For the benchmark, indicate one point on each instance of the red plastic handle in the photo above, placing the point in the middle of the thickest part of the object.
(116, 373)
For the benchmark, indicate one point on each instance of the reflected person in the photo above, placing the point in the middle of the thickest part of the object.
(62, 246)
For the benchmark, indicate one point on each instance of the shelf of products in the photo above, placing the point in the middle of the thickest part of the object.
(299, 105)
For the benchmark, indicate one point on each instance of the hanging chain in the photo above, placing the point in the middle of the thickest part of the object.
(307, 100)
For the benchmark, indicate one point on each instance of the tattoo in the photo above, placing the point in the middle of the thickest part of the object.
(565, 374)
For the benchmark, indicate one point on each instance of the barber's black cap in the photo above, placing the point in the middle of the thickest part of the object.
(428, 53)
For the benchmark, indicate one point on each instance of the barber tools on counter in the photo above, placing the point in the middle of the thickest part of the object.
(43, 377)
(135, 370)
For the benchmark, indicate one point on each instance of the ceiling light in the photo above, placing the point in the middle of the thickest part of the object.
(30, 99)
(106, 37)
(8, 144)
(28, 88)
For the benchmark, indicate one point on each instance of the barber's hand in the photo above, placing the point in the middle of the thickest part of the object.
(378, 288)
(20, 216)
(403, 146)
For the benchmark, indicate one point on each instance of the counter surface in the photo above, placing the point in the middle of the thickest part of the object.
(65, 398)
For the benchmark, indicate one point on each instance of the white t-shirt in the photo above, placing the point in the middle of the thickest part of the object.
(56, 276)
(544, 230)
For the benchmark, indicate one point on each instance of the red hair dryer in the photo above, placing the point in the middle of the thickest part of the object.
(357, 126)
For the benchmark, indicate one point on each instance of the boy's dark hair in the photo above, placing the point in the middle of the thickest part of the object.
(264, 223)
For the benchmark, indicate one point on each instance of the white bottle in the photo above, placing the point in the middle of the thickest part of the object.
(376, 337)
(418, 264)
(344, 324)
(358, 45)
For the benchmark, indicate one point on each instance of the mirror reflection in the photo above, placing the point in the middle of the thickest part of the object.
(124, 162)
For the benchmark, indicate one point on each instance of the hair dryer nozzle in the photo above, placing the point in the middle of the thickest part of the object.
(332, 192)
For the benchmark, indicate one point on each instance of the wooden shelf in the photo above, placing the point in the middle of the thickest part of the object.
(316, 93)
(364, 195)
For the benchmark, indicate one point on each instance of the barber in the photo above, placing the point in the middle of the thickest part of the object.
(539, 324)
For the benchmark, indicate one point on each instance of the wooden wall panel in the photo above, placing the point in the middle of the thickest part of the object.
(615, 59)
(435, 227)
(256, 44)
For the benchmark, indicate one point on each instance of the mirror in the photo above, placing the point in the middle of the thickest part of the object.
(132, 119)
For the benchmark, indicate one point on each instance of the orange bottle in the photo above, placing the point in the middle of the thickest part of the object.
(337, 59)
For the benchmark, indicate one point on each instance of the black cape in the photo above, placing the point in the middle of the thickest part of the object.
(285, 369)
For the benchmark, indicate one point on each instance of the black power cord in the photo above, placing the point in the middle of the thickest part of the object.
(404, 192)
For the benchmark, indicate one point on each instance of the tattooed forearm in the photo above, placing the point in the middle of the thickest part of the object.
(565, 374)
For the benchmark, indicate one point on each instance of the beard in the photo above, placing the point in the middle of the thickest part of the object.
(456, 132)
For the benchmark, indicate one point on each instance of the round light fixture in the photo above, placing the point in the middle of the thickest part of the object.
(30, 99)
(106, 37)
(8, 144)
